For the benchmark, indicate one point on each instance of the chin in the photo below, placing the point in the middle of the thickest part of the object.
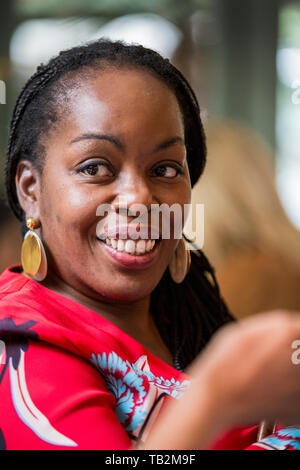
(123, 297)
(126, 294)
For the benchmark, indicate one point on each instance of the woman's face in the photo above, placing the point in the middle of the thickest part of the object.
(121, 142)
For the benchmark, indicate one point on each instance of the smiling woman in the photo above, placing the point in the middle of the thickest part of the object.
(122, 319)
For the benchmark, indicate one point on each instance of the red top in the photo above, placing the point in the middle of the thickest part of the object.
(70, 379)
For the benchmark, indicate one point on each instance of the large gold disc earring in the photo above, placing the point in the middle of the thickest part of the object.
(180, 263)
(33, 256)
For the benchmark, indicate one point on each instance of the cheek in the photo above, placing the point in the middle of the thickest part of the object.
(66, 209)
(179, 198)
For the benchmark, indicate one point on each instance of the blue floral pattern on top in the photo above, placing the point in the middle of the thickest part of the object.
(135, 388)
(285, 439)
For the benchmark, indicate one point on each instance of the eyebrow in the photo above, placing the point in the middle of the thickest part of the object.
(107, 137)
(119, 145)
(169, 143)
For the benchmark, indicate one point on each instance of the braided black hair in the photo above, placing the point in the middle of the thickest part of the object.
(187, 314)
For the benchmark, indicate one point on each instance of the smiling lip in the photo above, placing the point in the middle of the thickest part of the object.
(131, 261)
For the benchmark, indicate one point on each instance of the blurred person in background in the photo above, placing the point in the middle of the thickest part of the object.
(249, 239)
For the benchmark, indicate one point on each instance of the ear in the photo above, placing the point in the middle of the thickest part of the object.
(28, 189)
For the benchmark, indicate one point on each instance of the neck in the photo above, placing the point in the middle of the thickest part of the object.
(133, 317)
(114, 310)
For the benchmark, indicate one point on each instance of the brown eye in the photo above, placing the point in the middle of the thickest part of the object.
(167, 171)
(96, 169)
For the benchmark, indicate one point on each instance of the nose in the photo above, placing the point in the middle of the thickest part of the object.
(133, 192)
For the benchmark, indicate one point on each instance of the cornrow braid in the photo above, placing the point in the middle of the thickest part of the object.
(35, 84)
(188, 314)
(37, 81)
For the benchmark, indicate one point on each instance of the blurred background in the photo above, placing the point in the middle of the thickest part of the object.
(243, 61)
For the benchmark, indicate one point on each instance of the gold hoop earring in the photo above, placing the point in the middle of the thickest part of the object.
(181, 262)
(33, 256)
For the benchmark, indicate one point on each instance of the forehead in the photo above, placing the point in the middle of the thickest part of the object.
(123, 100)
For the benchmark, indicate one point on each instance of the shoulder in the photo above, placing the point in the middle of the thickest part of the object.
(54, 398)
(29, 311)
(16, 318)
(11, 281)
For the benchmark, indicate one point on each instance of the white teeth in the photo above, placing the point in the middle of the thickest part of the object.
(121, 245)
(140, 246)
(148, 245)
(132, 247)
